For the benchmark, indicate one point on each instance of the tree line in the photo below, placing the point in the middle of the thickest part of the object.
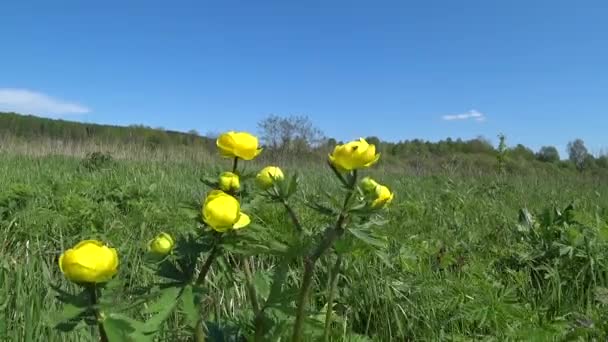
(32, 127)
(293, 135)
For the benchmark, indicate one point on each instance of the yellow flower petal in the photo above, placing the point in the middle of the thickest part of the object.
(242, 222)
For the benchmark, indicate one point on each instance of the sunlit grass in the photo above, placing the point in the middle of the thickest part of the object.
(446, 274)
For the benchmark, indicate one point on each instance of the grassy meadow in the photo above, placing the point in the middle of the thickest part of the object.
(463, 261)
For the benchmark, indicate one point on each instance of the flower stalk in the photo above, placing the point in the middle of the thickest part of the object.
(199, 330)
(333, 284)
(94, 298)
(331, 235)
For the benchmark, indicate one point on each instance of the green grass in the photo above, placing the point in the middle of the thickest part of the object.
(460, 264)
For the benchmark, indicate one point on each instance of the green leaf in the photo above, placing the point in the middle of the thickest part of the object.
(69, 317)
(189, 305)
(278, 279)
(368, 237)
(261, 282)
(293, 185)
(80, 300)
(121, 328)
(163, 307)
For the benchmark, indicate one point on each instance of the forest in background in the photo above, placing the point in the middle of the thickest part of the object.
(283, 138)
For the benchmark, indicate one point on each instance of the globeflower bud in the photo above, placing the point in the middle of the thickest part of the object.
(162, 244)
(383, 196)
(368, 185)
(268, 175)
(223, 212)
(229, 182)
(238, 145)
(90, 261)
(354, 155)
(378, 194)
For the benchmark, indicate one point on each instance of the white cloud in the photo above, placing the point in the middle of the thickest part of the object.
(30, 102)
(472, 114)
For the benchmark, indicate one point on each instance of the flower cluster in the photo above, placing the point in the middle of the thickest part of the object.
(92, 262)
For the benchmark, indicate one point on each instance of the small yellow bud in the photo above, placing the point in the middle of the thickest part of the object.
(162, 244)
(368, 185)
(229, 182)
(378, 194)
(268, 175)
(383, 197)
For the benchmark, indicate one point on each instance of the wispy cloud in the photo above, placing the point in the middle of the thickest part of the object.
(30, 102)
(472, 114)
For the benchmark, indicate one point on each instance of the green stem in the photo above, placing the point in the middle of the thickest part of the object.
(331, 235)
(94, 297)
(235, 164)
(199, 332)
(207, 265)
(292, 214)
(333, 284)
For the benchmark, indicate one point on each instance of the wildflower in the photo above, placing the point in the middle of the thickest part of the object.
(268, 175)
(229, 182)
(378, 194)
(162, 244)
(383, 197)
(354, 155)
(223, 212)
(238, 145)
(90, 261)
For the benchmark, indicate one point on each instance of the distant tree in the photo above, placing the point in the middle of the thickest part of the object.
(577, 153)
(522, 152)
(331, 142)
(290, 134)
(602, 161)
(548, 154)
(373, 140)
(502, 152)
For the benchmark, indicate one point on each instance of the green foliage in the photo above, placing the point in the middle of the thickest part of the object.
(548, 154)
(454, 258)
(96, 161)
(32, 127)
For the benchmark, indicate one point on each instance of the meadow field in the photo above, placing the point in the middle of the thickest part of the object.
(462, 257)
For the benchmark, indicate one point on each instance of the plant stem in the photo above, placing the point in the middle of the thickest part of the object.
(207, 266)
(235, 164)
(333, 283)
(292, 214)
(92, 288)
(331, 235)
(199, 331)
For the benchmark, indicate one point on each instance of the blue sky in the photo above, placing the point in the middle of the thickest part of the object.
(535, 70)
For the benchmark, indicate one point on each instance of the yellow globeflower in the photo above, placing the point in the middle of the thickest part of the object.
(268, 175)
(354, 155)
(378, 194)
(229, 182)
(223, 212)
(238, 144)
(383, 197)
(368, 185)
(162, 244)
(90, 261)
